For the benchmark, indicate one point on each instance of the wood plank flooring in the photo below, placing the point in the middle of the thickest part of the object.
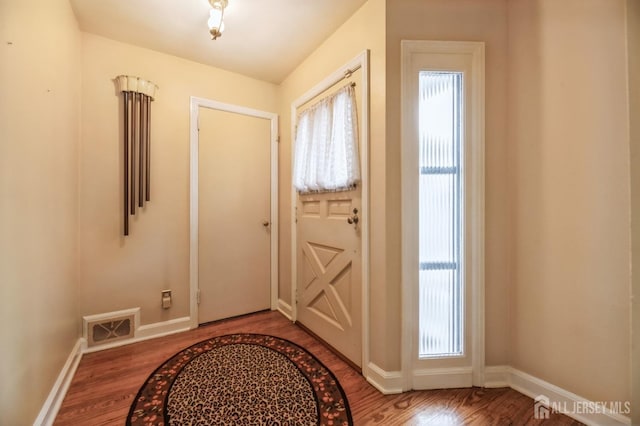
(106, 383)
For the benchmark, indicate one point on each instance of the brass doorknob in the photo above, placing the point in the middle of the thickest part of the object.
(265, 223)
(353, 219)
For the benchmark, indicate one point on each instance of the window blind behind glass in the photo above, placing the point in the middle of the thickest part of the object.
(440, 293)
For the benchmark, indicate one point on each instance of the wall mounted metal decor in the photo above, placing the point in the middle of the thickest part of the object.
(138, 94)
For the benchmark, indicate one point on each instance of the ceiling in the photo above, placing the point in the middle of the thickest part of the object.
(263, 39)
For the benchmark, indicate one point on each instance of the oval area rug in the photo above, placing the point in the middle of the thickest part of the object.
(249, 379)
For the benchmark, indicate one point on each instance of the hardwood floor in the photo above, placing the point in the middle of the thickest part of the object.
(106, 383)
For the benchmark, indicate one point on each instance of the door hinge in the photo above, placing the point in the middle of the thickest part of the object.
(278, 139)
(198, 296)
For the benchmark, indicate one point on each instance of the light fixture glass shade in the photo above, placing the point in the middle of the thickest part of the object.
(216, 26)
(216, 16)
(219, 4)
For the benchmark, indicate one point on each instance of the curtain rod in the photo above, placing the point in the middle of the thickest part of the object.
(331, 81)
(345, 75)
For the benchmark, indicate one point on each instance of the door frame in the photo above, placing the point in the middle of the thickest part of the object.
(361, 61)
(195, 104)
(475, 178)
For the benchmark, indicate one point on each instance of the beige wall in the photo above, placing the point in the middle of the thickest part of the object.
(364, 30)
(457, 20)
(116, 272)
(557, 203)
(569, 173)
(633, 50)
(39, 134)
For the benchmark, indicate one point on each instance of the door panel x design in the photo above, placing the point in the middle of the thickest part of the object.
(327, 291)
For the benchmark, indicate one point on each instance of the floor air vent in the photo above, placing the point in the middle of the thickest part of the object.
(107, 328)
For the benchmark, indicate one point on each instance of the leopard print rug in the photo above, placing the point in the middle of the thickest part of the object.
(241, 379)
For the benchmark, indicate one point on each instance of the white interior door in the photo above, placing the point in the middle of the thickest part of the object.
(234, 190)
(329, 269)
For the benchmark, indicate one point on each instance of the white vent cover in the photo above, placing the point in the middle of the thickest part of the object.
(110, 327)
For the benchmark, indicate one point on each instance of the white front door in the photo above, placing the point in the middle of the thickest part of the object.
(331, 236)
(234, 188)
(329, 268)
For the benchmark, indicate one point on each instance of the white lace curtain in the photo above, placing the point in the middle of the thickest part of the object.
(326, 147)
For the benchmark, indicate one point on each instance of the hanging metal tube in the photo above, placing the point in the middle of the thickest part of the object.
(148, 148)
(126, 163)
(134, 102)
(140, 130)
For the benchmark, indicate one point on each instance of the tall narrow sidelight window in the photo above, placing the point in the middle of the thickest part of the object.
(441, 291)
(443, 214)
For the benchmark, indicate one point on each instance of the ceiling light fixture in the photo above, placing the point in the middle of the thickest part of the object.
(216, 14)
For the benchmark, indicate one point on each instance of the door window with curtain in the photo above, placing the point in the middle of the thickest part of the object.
(326, 156)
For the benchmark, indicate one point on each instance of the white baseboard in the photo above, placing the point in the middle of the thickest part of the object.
(442, 378)
(501, 376)
(285, 309)
(146, 332)
(387, 382)
(165, 328)
(496, 376)
(53, 402)
(543, 391)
